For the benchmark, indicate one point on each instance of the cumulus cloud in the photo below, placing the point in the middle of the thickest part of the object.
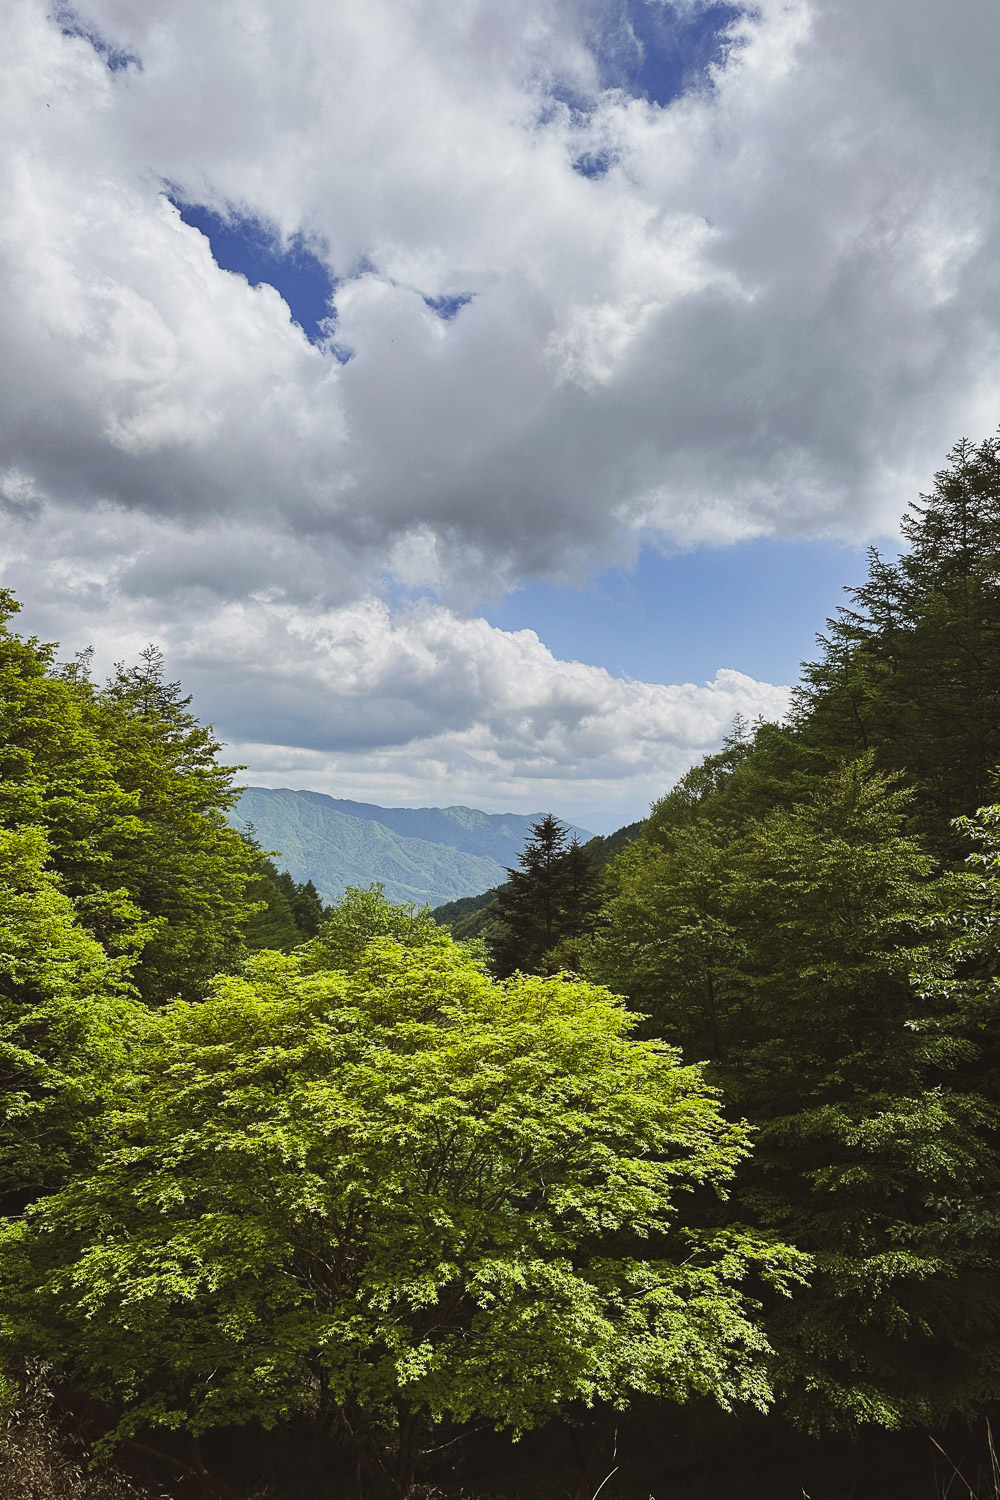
(418, 705)
(431, 706)
(781, 299)
(772, 312)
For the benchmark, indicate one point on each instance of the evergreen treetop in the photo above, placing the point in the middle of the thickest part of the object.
(912, 668)
(553, 896)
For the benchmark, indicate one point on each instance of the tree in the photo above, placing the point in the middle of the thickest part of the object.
(552, 897)
(783, 918)
(873, 1152)
(307, 908)
(391, 1194)
(273, 924)
(126, 786)
(912, 670)
(56, 776)
(182, 865)
(811, 961)
(282, 914)
(667, 937)
(354, 922)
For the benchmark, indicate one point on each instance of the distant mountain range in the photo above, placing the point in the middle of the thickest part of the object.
(420, 854)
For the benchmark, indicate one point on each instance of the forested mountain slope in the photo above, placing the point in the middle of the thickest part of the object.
(425, 854)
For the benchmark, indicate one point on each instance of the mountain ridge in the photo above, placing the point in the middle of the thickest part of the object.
(426, 855)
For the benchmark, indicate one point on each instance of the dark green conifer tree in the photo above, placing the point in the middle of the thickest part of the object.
(554, 896)
(876, 1146)
(273, 924)
(808, 960)
(912, 669)
(308, 910)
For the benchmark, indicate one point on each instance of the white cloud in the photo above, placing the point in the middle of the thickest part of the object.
(431, 706)
(775, 312)
(422, 707)
(781, 298)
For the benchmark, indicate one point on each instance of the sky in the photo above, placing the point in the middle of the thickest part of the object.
(484, 403)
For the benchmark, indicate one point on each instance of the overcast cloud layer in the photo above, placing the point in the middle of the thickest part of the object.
(774, 313)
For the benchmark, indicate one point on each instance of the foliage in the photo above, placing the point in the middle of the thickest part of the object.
(554, 896)
(186, 867)
(601, 850)
(809, 960)
(66, 1019)
(913, 669)
(56, 776)
(450, 913)
(392, 1193)
(479, 916)
(126, 786)
(667, 939)
(352, 924)
(287, 913)
(871, 1152)
(780, 920)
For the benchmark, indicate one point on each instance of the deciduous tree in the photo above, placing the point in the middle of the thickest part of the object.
(67, 1019)
(391, 1194)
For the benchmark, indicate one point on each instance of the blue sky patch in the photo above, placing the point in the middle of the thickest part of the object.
(595, 164)
(447, 307)
(756, 606)
(71, 24)
(251, 247)
(657, 50)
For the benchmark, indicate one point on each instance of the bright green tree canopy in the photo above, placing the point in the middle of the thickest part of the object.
(66, 1021)
(405, 1192)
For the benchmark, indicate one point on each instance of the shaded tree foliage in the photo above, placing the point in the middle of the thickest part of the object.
(912, 669)
(812, 961)
(284, 913)
(552, 897)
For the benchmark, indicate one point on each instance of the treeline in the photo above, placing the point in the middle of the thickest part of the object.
(332, 1203)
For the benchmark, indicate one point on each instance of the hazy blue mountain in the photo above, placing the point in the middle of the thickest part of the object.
(421, 854)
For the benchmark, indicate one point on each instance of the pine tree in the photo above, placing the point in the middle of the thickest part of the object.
(529, 904)
(912, 670)
(552, 897)
(308, 910)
